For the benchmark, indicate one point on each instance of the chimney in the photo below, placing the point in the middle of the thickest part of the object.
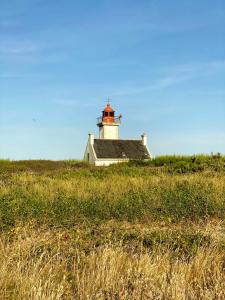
(91, 138)
(144, 139)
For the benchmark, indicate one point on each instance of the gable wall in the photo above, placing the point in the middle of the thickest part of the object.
(89, 154)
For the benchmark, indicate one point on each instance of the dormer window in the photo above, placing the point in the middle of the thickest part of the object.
(124, 154)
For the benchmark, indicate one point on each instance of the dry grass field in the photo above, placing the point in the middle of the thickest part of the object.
(133, 231)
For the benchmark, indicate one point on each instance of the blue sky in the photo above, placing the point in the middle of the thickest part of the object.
(161, 62)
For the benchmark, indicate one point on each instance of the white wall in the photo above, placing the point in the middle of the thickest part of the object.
(89, 154)
(109, 131)
(108, 162)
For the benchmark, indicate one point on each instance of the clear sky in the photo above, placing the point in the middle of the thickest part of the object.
(161, 62)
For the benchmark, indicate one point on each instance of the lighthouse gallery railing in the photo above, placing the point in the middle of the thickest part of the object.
(117, 120)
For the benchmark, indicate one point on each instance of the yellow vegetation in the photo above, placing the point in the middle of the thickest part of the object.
(38, 263)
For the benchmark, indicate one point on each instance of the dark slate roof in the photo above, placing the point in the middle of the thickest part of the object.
(126, 149)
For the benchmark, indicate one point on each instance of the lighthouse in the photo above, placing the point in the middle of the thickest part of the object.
(109, 124)
(108, 148)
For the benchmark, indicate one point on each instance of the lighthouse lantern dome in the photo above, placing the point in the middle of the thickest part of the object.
(108, 114)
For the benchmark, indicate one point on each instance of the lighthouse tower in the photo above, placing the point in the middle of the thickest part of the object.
(109, 124)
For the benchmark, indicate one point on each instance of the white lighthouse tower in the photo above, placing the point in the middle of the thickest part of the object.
(109, 124)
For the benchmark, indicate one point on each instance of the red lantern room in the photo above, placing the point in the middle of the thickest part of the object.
(108, 114)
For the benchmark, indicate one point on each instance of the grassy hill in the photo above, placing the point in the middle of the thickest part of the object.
(151, 230)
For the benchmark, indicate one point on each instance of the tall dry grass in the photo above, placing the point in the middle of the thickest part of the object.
(39, 263)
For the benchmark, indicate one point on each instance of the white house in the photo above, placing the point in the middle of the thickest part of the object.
(109, 148)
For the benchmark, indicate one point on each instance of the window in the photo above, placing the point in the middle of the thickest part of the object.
(111, 114)
(106, 114)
